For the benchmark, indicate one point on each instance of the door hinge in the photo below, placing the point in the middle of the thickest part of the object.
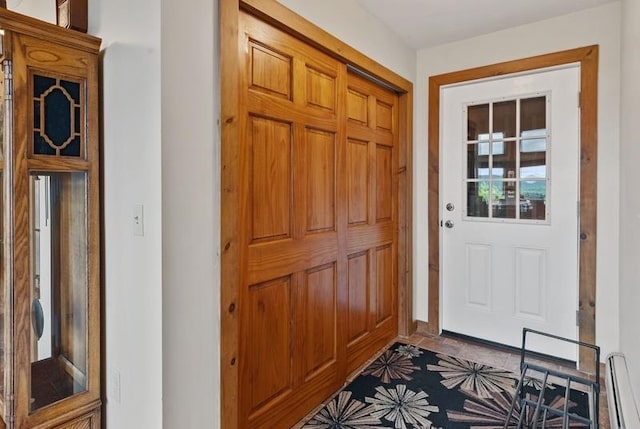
(7, 69)
(577, 317)
(578, 209)
(579, 99)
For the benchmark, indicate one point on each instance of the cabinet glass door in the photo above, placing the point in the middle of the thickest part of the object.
(59, 292)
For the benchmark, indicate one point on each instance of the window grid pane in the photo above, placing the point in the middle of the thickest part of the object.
(506, 159)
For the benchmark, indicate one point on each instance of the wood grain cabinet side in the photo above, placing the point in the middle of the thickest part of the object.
(91, 421)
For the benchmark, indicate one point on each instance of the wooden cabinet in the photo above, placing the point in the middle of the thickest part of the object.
(49, 205)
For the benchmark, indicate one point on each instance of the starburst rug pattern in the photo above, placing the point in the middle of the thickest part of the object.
(409, 387)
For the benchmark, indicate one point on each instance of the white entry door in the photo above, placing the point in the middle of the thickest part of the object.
(509, 202)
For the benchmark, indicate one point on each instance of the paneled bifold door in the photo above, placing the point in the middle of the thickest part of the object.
(318, 214)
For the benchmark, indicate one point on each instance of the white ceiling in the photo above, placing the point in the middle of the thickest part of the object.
(426, 23)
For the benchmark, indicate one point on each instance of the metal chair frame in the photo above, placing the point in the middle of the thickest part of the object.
(542, 411)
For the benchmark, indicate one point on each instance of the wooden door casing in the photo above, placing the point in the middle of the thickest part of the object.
(317, 222)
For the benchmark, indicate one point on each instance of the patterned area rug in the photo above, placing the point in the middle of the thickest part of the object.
(410, 387)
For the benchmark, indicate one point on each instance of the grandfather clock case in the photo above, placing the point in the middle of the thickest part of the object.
(49, 207)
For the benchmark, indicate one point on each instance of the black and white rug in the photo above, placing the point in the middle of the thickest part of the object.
(410, 387)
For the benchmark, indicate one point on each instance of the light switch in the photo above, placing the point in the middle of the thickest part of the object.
(138, 220)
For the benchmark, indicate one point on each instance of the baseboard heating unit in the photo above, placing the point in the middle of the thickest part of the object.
(623, 410)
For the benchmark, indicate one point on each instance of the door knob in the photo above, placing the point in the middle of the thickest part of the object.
(448, 224)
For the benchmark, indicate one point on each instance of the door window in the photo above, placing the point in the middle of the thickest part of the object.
(506, 160)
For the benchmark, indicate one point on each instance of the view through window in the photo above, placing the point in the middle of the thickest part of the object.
(507, 159)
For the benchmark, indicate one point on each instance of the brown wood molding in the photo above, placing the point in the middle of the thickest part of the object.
(230, 281)
(10, 20)
(587, 57)
(407, 324)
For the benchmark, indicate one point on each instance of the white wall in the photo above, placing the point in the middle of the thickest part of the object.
(41, 9)
(190, 214)
(160, 105)
(630, 196)
(594, 26)
(359, 29)
(131, 141)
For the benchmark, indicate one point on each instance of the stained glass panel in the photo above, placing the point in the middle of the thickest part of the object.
(56, 117)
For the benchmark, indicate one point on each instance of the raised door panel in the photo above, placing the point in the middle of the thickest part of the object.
(357, 177)
(531, 283)
(385, 284)
(320, 170)
(81, 424)
(384, 183)
(270, 70)
(357, 107)
(90, 421)
(270, 178)
(269, 312)
(320, 317)
(321, 88)
(358, 304)
(384, 116)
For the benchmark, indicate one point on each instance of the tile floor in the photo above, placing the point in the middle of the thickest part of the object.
(481, 353)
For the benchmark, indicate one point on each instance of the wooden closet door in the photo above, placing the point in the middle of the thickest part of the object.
(293, 253)
(372, 194)
(318, 229)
